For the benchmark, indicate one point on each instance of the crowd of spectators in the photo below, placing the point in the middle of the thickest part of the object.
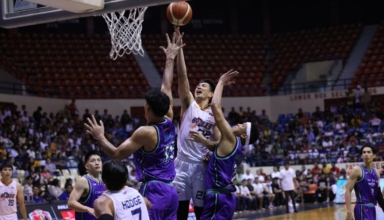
(46, 150)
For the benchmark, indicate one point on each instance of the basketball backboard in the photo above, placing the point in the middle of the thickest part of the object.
(19, 13)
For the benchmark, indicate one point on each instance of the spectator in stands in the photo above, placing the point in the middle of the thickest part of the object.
(343, 174)
(65, 194)
(278, 192)
(72, 108)
(248, 175)
(316, 170)
(258, 193)
(36, 195)
(326, 169)
(86, 115)
(353, 152)
(268, 193)
(27, 188)
(251, 188)
(335, 170)
(323, 189)
(246, 196)
(237, 194)
(54, 189)
(51, 167)
(366, 99)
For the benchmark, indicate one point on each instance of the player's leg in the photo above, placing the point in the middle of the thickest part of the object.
(198, 189)
(184, 188)
(219, 206)
(173, 204)
(292, 196)
(183, 210)
(286, 200)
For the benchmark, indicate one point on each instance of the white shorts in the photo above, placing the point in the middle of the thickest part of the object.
(9, 217)
(190, 181)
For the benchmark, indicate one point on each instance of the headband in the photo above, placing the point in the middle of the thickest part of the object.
(249, 125)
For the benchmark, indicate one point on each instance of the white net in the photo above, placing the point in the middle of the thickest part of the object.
(125, 31)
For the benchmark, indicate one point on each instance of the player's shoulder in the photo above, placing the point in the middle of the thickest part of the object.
(143, 131)
(18, 185)
(356, 170)
(82, 182)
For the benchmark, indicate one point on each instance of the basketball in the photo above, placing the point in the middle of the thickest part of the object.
(179, 13)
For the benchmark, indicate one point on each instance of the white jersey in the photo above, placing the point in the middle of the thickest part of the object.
(8, 202)
(128, 204)
(194, 119)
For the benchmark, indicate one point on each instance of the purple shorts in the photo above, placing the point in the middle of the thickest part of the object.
(219, 206)
(364, 212)
(163, 197)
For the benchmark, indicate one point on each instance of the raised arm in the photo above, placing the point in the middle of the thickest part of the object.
(139, 138)
(185, 94)
(225, 129)
(355, 173)
(171, 53)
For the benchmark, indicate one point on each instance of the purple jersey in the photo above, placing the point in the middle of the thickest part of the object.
(158, 165)
(221, 170)
(366, 188)
(95, 190)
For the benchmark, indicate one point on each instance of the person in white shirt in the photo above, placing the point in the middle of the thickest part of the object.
(119, 202)
(275, 173)
(258, 190)
(245, 194)
(268, 191)
(288, 184)
(247, 175)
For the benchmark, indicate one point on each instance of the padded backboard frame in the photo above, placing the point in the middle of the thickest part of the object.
(13, 19)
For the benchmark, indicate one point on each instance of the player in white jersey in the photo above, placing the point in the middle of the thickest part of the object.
(11, 193)
(119, 202)
(197, 128)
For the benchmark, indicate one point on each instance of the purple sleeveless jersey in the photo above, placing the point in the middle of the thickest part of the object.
(366, 190)
(219, 201)
(156, 170)
(158, 165)
(95, 190)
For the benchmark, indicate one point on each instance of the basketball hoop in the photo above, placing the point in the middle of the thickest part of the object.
(125, 31)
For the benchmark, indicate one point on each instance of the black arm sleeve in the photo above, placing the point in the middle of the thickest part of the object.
(105, 217)
(380, 199)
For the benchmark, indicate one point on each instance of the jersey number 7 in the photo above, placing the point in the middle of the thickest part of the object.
(137, 211)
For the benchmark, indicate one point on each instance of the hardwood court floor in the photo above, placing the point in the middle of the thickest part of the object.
(306, 212)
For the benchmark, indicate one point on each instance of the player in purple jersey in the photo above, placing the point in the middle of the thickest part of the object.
(219, 201)
(88, 188)
(152, 145)
(364, 179)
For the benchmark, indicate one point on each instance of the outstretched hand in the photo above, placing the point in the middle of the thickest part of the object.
(97, 131)
(177, 34)
(227, 78)
(173, 47)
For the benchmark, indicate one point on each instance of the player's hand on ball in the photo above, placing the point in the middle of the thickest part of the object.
(97, 131)
(227, 78)
(173, 47)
